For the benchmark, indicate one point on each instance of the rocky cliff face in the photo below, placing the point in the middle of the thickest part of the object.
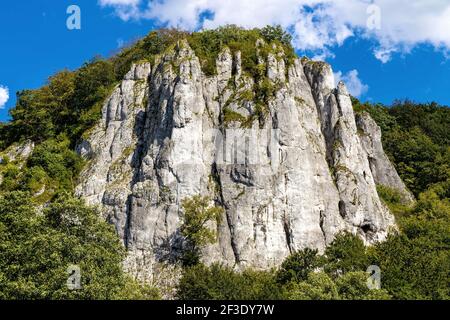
(290, 174)
(382, 169)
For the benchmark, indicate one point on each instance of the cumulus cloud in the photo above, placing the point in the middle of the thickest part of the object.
(125, 9)
(316, 25)
(4, 96)
(354, 84)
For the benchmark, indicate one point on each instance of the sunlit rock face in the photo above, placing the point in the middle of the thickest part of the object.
(292, 177)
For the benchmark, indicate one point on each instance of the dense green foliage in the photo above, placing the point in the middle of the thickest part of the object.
(222, 283)
(416, 262)
(346, 254)
(36, 249)
(320, 286)
(52, 168)
(298, 266)
(69, 104)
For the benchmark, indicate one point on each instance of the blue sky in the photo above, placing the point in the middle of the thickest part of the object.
(379, 66)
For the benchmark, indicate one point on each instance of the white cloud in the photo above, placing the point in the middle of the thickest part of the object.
(119, 2)
(317, 25)
(125, 9)
(354, 84)
(4, 96)
(384, 54)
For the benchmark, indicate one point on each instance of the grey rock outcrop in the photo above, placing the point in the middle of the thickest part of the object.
(18, 153)
(382, 169)
(289, 181)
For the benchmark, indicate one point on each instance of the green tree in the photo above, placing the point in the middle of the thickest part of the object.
(61, 164)
(418, 160)
(353, 286)
(198, 213)
(219, 282)
(346, 253)
(415, 262)
(317, 286)
(432, 119)
(298, 265)
(276, 33)
(36, 248)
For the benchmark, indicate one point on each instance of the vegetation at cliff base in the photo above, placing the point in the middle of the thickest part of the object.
(298, 278)
(38, 245)
(414, 265)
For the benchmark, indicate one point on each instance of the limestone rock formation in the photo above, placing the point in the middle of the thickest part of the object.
(290, 174)
(16, 153)
(382, 169)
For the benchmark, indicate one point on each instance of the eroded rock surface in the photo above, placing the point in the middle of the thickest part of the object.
(382, 169)
(292, 177)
